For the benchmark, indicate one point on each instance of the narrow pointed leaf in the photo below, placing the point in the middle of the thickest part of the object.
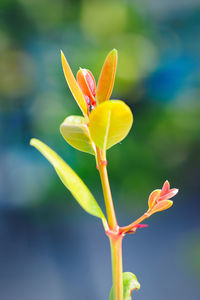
(154, 196)
(107, 77)
(165, 188)
(75, 131)
(141, 226)
(162, 205)
(73, 85)
(169, 195)
(71, 180)
(109, 123)
(130, 283)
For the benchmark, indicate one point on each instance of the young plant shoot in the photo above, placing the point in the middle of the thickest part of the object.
(103, 124)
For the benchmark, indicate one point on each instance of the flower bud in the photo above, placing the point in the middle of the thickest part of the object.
(87, 84)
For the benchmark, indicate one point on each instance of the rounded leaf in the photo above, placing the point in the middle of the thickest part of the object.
(109, 123)
(75, 131)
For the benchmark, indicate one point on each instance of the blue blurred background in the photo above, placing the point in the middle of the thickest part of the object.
(50, 248)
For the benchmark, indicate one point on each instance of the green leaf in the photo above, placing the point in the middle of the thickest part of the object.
(75, 131)
(71, 180)
(107, 77)
(109, 123)
(130, 283)
(73, 85)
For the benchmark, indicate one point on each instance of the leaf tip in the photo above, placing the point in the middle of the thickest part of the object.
(114, 51)
(113, 55)
(62, 54)
(32, 141)
(63, 59)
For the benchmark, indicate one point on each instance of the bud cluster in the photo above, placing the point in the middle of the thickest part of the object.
(159, 199)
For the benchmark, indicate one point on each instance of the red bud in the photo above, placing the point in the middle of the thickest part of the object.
(87, 84)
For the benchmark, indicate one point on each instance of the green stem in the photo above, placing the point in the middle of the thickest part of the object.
(114, 235)
(112, 222)
(117, 267)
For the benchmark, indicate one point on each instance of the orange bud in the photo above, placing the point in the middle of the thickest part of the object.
(87, 84)
(153, 198)
(162, 205)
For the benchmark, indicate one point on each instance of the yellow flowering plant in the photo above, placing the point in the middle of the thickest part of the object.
(103, 124)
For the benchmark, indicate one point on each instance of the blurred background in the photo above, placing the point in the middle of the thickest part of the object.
(50, 248)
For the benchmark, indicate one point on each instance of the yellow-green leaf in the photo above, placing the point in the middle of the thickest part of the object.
(75, 131)
(73, 85)
(130, 283)
(71, 180)
(109, 123)
(107, 77)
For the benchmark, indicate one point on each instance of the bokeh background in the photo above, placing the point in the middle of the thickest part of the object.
(50, 248)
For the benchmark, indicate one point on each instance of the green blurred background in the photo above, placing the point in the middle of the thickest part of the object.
(49, 248)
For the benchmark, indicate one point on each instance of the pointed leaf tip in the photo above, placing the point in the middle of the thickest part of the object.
(165, 188)
(114, 51)
(141, 226)
(169, 195)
